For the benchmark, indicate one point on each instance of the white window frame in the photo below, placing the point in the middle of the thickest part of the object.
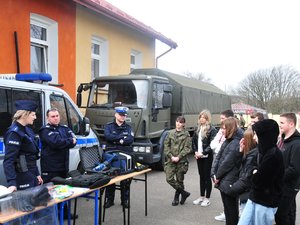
(138, 59)
(50, 46)
(102, 56)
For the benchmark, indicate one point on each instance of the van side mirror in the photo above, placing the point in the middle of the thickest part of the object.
(85, 126)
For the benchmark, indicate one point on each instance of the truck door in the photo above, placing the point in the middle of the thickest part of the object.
(159, 115)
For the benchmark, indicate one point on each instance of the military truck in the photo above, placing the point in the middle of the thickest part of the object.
(154, 98)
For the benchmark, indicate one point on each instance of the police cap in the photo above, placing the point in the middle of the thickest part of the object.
(27, 105)
(121, 110)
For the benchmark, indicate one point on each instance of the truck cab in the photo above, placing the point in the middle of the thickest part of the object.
(148, 98)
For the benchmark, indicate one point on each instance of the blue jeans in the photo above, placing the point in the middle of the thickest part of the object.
(256, 214)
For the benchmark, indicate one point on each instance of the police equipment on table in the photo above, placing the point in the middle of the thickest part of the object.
(76, 179)
(107, 163)
(27, 200)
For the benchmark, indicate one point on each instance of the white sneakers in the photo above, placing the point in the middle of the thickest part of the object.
(202, 202)
(205, 202)
(198, 201)
(221, 217)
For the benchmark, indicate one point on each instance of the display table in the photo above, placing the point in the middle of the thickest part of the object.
(83, 192)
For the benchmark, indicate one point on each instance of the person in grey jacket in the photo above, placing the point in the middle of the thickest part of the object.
(225, 169)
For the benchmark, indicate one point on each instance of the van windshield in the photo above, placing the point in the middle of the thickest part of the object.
(133, 93)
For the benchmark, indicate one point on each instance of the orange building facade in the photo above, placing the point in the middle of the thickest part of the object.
(17, 17)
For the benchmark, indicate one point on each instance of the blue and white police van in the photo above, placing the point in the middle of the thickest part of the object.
(34, 87)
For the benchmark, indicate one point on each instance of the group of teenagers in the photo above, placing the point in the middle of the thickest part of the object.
(256, 169)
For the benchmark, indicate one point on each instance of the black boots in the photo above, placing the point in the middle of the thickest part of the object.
(125, 204)
(109, 203)
(184, 196)
(176, 198)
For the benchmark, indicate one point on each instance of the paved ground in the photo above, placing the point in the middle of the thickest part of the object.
(160, 211)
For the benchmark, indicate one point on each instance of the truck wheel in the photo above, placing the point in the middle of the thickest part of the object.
(160, 165)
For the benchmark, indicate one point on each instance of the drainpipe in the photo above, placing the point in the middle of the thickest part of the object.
(156, 60)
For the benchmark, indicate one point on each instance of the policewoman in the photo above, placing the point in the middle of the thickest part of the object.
(21, 149)
(119, 136)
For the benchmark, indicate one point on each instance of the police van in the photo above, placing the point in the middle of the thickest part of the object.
(34, 87)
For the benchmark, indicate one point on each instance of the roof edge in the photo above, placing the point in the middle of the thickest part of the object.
(105, 8)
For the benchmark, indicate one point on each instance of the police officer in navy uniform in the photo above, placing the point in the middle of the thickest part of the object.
(56, 141)
(119, 136)
(21, 149)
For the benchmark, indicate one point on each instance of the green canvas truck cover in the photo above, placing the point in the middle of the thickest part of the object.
(191, 96)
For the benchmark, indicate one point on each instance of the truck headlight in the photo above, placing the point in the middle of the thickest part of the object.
(142, 149)
(148, 149)
(135, 149)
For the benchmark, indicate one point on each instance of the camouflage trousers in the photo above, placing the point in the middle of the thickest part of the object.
(175, 174)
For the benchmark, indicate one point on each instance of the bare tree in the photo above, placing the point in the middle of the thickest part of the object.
(197, 76)
(274, 89)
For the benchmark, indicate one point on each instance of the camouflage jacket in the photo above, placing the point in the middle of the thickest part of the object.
(177, 143)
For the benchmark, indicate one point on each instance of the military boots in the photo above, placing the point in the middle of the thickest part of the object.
(184, 196)
(176, 198)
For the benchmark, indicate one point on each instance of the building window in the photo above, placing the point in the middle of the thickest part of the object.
(44, 46)
(135, 60)
(99, 57)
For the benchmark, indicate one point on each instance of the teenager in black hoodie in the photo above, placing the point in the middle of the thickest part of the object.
(267, 179)
(290, 147)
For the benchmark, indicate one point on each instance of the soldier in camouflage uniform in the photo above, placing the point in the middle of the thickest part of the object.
(176, 146)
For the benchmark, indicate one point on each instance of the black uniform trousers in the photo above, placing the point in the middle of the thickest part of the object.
(124, 186)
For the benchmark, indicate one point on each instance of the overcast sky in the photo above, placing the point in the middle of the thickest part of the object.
(224, 39)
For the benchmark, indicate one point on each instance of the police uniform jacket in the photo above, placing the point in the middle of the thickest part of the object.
(177, 143)
(20, 140)
(56, 142)
(118, 137)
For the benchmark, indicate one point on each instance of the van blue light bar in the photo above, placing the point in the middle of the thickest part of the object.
(43, 77)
